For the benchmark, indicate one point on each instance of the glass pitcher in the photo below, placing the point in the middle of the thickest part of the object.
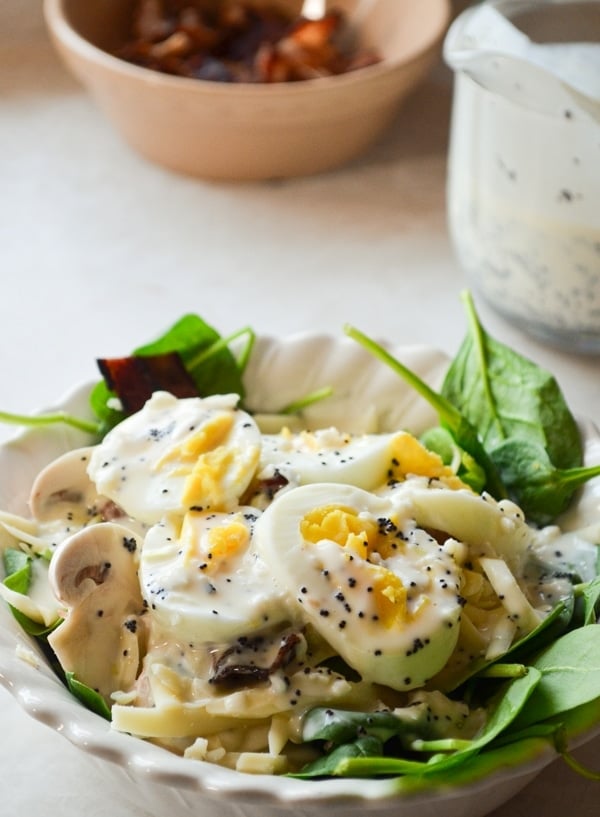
(524, 163)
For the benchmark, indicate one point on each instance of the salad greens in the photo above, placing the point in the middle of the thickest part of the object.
(89, 697)
(207, 358)
(18, 575)
(17, 569)
(506, 429)
(462, 431)
(509, 415)
(558, 681)
(504, 423)
(57, 417)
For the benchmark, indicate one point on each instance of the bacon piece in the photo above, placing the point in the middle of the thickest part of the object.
(240, 41)
(135, 378)
(237, 668)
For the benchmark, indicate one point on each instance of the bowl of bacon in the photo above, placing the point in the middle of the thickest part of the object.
(248, 89)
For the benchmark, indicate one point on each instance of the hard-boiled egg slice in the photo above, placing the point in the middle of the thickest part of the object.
(174, 455)
(204, 581)
(380, 590)
(367, 461)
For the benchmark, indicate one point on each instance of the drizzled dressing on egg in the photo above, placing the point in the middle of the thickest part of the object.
(277, 573)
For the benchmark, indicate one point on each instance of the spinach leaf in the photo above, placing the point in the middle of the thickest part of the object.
(17, 570)
(100, 402)
(504, 709)
(547, 631)
(441, 441)
(205, 353)
(522, 420)
(474, 767)
(342, 726)
(510, 416)
(591, 597)
(570, 676)
(33, 628)
(89, 697)
(506, 396)
(541, 490)
(54, 418)
(330, 764)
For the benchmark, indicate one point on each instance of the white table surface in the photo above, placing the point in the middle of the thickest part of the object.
(101, 251)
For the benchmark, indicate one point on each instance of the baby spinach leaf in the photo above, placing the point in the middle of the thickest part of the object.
(91, 699)
(520, 653)
(541, 490)
(342, 726)
(507, 414)
(504, 709)
(332, 765)
(441, 441)
(33, 628)
(506, 396)
(570, 676)
(548, 630)
(206, 357)
(591, 596)
(100, 402)
(53, 418)
(475, 767)
(522, 420)
(17, 570)
(310, 399)
(205, 353)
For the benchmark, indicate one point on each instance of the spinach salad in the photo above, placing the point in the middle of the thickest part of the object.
(506, 435)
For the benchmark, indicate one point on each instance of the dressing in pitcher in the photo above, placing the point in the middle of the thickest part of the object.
(524, 163)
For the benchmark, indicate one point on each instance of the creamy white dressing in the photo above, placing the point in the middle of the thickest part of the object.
(203, 579)
(236, 609)
(524, 167)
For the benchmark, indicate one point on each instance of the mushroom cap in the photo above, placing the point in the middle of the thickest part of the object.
(94, 575)
(63, 486)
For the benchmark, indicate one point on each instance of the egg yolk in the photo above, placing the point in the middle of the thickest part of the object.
(342, 526)
(207, 461)
(213, 546)
(362, 536)
(204, 486)
(409, 456)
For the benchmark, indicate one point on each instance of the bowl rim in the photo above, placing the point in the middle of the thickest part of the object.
(60, 27)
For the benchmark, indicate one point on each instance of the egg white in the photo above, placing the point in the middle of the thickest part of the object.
(203, 579)
(392, 610)
(174, 455)
(327, 455)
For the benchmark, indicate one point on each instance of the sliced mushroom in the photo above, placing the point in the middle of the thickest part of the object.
(64, 489)
(102, 639)
(63, 498)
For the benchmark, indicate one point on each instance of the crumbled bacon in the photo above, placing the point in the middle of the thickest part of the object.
(134, 379)
(239, 41)
(236, 667)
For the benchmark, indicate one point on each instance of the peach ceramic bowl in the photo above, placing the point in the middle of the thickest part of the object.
(251, 131)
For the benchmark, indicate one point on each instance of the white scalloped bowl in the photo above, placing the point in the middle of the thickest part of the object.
(138, 772)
